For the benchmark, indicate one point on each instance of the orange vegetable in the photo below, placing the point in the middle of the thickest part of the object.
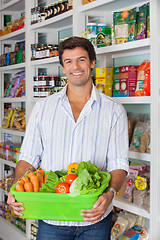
(30, 174)
(34, 180)
(19, 187)
(40, 170)
(25, 179)
(71, 167)
(21, 181)
(45, 177)
(28, 187)
(40, 178)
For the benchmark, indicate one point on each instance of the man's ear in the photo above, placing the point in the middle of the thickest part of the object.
(63, 69)
(93, 64)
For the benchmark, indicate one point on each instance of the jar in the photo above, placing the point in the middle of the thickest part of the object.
(46, 12)
(43, 90)
(42, 18)
(51, 81)
(41, 80)
(35, 91)
(91, 30)
(55, 51)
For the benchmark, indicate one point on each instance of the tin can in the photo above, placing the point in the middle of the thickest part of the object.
(91, 30)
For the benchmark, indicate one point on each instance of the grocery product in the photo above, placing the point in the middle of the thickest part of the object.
(143, 80)
(91, 30)
(121, 23)
(132, 31)
(142, 22)
(128, 80)
(116, 92)
(104, 80)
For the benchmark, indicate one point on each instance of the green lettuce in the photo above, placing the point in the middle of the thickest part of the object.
(89, 179)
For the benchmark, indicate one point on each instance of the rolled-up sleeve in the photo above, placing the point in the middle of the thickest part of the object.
(117, 157)
(32, 147)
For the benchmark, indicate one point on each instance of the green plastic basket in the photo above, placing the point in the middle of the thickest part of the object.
(56, 206)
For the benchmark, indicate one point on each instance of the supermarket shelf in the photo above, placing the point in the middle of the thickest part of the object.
(139, 156)
(131, 207)
(133, 100)
(143, 44)
(8, 163)
(16, 35)
(45, 61)
(3, 191)
(13, 5)
(8, 100)
(9, 231)
(57, 20)
(12, 67)
(13, 132)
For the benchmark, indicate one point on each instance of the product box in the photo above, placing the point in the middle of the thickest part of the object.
(104, 80)
(56, 206)
(128, 80)
(116, 82)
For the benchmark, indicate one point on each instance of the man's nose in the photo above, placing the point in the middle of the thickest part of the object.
(76, 64)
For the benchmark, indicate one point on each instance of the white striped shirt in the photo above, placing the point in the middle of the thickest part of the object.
(99, 135)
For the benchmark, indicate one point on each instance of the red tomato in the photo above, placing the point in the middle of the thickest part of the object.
(62, 187)
(70, 178)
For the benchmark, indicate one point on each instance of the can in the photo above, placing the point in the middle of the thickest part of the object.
(91, 30)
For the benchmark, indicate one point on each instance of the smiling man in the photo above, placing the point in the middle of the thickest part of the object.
(77, 124)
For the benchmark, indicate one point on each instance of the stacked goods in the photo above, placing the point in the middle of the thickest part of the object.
(15, 119)
(16, 86)
(39, 14)
(18, 56)
(104, 80)
(130, 25)
(47, 85)
(99, 34)
(130, 80)
(41, 51)
(13, 26)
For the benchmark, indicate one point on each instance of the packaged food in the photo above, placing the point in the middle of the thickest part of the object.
(121, 22)
(132, 25)
(142, 22)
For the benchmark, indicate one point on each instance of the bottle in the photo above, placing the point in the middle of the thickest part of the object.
(46, 12)
(42, 18)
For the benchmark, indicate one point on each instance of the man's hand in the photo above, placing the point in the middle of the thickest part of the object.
(15, 205)
(95, 214)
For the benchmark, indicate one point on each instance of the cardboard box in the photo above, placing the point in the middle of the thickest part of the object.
(116, 92)
(104, 80)
(128, 80)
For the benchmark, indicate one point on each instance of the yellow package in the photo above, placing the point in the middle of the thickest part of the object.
(7, 118)
(87, 1)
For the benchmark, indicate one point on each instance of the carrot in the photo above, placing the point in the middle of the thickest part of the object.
(25, 179)
(21, 181)
(34, 180)
(45, 177)
(30, 174)
(40, 178)
(19, 187)
(28, 187)
(40, 170)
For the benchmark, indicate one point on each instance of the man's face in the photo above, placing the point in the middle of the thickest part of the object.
(77, 66)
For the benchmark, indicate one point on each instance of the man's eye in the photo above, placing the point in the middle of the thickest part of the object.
(82, 59)
(67, 62)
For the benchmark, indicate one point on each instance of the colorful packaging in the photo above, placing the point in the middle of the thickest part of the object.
(121, 22)
(128, 80)
(91, 30)
(142, 22)
(104, 80)
(143, 80)
(87, 1)
(101, 32)
(132, 25)
(116, 82)
(148, 20)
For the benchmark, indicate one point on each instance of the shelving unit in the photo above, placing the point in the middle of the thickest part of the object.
(76, 20)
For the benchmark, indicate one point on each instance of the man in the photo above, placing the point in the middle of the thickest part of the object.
(78, 123)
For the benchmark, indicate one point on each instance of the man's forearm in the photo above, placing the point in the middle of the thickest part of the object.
(21, 169)
(117, 178)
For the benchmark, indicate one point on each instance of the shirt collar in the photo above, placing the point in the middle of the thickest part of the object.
(95, 95)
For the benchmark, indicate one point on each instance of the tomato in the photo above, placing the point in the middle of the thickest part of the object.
(70, 178)
(62, 187)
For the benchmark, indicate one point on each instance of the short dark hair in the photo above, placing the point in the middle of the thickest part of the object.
(72, 43)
